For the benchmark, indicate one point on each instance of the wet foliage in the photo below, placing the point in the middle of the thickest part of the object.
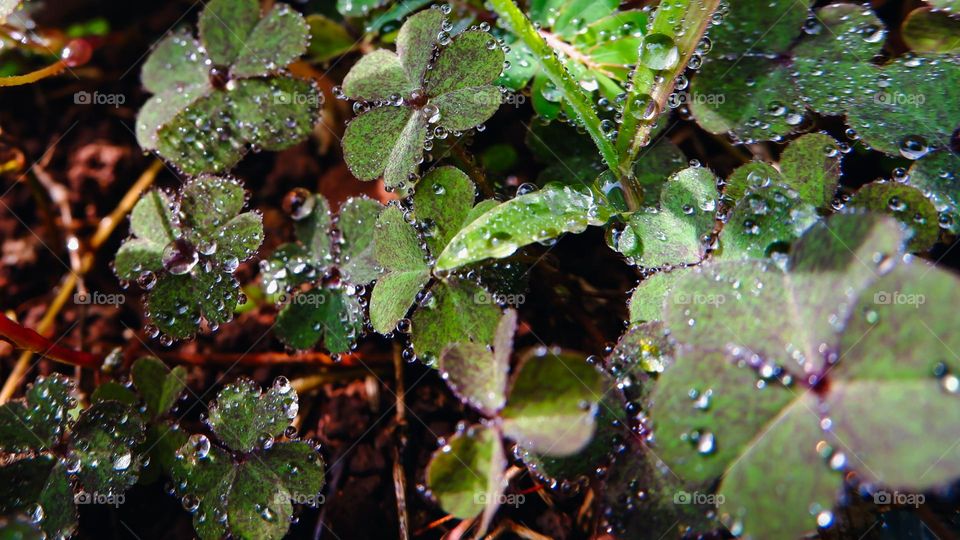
(785, 361)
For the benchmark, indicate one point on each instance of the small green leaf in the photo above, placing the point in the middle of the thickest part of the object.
(678, 231)
(178, 302)
(104, 441)
(329, 315)
(467, 108)
(925, 30)
(416, 42)
(935, 175)
(455, 311)
(200, 138)
(160, 386)
(274, 113)
(750, 176)
(765, 221)
(442, 201)
(42, 482)
(759, 26)
(376, 76)
(392, 297)
(257, 504)
(358, 8)
(905, 203)
(151, 218)
(552, 403)
(278, 39)
(468, 61)
(114, 391)
(532, 217)
(646, 302)
(396, 244)
(225, 26)
(313, 232)
(38, 421)
(475, 376)
(175, 65)
(466, 475)
(136, 256)
(243, 416)
(397, 250)
(811, 166)
(239, 239)
(357, 223)
(371, 144)
(300, 469)
(202, 473)
(328, 39)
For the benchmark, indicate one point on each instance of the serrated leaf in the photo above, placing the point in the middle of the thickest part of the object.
(376, 76)
(42, 482)
(300, 469)
(277, 39)
(811, 166)
(357, 222)
(274, 113)
(925, 30)
(458, 311)
(38, 421)
(675, 233)
(466, 475)
(532, 217)
(328, 39)
(225, 26)
(330, 315)
(178, 302)
(935, 175)
(905, 203)
(553, 403)
(243, 415)
(239, 239)
(160, 386)
(104, 440)
(646, 302)
(765, 221)
(151, 218)
(442, 200)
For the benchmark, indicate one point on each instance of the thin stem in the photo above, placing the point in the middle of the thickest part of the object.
(25, 338)
(650, 89)
(578, 100)
(34, 76)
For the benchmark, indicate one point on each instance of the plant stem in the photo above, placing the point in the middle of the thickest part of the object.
(25, 338)
(684, 22)
(104, 229)
(34, 76)
(578, 100)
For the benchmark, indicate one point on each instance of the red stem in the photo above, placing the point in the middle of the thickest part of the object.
(25, 338)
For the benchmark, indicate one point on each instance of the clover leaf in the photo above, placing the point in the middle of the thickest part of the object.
(331, 314)
(247, 488)
(793, 356)
(448, 309)
(926, 30)
(549, 409)
(416, 90)
(679, 230)
(99, 450)
(219, 94)
(935, 176)
(183, 252)
(906, 203)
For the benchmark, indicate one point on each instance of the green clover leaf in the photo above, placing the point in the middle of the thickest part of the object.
(217, 96)
(39, 420)
(415, 92)
(253, 496)
(184, 253)
(774, 354)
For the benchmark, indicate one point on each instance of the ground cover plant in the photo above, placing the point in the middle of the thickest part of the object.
(502, 269)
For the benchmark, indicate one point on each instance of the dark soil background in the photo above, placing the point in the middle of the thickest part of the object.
(576, 296)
